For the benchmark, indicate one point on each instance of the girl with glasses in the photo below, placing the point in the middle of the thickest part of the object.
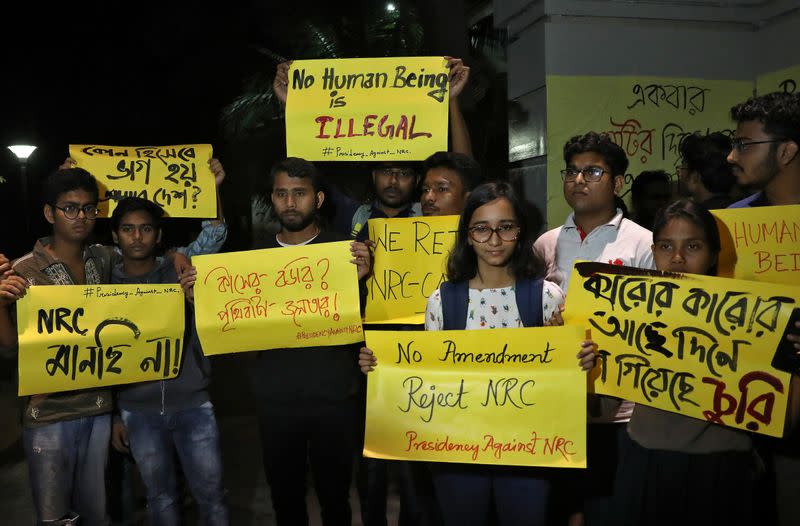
(493, 282)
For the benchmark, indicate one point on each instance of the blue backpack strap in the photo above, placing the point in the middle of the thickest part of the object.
(360, 218)
(455, 297)
(529, 302)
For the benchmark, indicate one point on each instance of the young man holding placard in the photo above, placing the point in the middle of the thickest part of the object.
(78, 418)
(213, 231)
(393, 183)
(65, 435)
(307, 397)
(159, 417)
(596, 231)
(766, 157)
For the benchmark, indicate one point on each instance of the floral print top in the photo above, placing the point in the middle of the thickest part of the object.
(493, 308)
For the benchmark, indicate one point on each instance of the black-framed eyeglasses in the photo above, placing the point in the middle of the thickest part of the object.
(741, 145)
(483, 233)
(404, 173)
(591, 174)
(72, 211)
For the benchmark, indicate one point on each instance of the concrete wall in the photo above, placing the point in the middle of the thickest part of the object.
(711, 39)
(623, 46)
(778, 43)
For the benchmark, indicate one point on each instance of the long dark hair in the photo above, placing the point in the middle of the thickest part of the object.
(462, 264)
(695, 213)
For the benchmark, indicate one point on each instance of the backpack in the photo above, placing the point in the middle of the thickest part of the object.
(455, 296)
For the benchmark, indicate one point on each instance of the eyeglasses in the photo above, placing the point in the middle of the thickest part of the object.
(483, 233)
(741, 145)
(72, 211)
(591, 174)
(403, 173)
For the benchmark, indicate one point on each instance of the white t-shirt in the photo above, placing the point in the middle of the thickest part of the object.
(306, 242)
(618, 242)
(493, 308)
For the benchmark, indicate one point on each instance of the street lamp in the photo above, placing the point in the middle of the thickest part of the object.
(23, 151)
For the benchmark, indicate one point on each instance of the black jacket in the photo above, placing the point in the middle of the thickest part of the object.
(308, 374)
(188, 389)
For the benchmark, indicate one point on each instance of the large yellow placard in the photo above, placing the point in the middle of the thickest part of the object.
(503, 396)
(277, 298)
(177, 178)
(80, 336)
(410, 261)
(760, 243)
(367, 109)
(696, 345)
(646, 116)
(785, 80)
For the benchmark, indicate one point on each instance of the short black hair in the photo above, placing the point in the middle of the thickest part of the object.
(708, 156)
(297, 167)
(67, 180)
(414, 166)
(602, 145)
(645, 178)
(465, 166)
(126, 205)
(779, 112)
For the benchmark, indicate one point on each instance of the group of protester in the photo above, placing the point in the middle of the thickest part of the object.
(645, 466)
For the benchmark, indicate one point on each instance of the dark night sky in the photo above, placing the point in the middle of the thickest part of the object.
(99, 74)
(142, 76)
(95, 73)
(92, 72)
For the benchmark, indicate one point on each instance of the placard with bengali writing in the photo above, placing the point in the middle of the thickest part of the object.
(81, 336)
(367, 109)
(696, 345)
(177, 178)
(760, 243)
(512, 397)
(410, 260)
(275, 298)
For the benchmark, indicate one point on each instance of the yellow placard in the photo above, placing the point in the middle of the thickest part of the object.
(410, 260)
(785, 80)
(177, 178)
(367, 109)
(81, 336)
(503, 396)
(760, 243)
(277, 298)
(696, 345)
(646, 116)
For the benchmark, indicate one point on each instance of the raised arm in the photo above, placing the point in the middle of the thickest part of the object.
(459, 133)
(214, 232)
(281, 83)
